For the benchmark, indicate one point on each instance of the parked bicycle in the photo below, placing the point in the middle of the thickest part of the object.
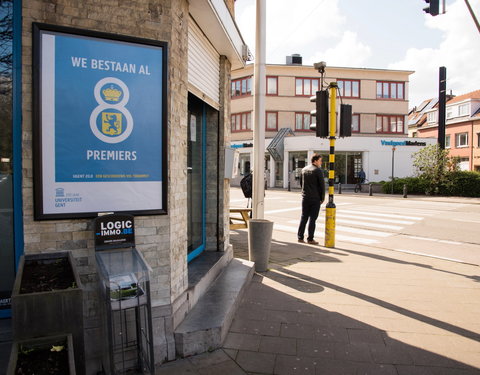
(358, 185)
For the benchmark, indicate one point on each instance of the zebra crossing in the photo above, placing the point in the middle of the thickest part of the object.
(357, 225)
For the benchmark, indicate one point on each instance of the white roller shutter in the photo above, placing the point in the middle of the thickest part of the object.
(203, 63)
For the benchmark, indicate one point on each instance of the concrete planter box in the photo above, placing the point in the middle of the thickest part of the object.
(42, 343)
(54, 312)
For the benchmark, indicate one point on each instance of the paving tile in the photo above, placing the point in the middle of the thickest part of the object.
(230, 368)
(209, 358)
(289, 365)
(256, 362)
(331, 334)
(232, 353)
(369, 336)
(352, 352)
(282, 316)
(315, 348)
(393, 354)
(278, 345)
(430, 370)
(301, 331)
(318, 318)
(242, 341)
(251, 312)
(255, 327)
(178, 367)
(325, 366)
(375, 369)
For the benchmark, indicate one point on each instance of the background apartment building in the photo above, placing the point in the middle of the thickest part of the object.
(379, 100)
(462, 131)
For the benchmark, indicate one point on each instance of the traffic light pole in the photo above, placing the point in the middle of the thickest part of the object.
(331, 208)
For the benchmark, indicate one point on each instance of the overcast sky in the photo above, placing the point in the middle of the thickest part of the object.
(387, 34)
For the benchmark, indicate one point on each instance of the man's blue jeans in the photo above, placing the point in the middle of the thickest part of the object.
(310, 210)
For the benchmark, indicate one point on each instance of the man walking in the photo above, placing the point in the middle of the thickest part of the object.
(313, 195)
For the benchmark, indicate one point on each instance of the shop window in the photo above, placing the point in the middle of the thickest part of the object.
(272, 85)
(390, 90)
(349, 88)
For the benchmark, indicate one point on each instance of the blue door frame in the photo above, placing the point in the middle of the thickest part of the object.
(197, 251)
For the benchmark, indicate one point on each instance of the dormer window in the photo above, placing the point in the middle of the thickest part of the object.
(464, 109)
(432, 116)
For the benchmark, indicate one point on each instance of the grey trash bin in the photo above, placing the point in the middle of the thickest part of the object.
(259, 242)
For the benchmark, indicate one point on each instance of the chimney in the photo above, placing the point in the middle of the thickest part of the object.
(295, 59)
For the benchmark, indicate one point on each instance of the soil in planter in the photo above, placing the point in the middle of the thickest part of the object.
(42, 361)
(47, 275)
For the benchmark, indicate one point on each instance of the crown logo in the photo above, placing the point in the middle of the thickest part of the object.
(112, 94)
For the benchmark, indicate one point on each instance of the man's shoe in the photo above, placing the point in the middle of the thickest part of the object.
(301, 240)
(312, 242)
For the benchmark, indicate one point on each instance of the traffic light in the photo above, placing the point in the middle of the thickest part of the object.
(321, 114)
(433, 8)
(345, 120)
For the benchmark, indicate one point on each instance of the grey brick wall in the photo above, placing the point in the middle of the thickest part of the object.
(161, 239)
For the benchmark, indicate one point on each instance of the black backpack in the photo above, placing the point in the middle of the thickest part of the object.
(246, 185)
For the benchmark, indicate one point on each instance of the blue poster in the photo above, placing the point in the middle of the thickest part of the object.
(108, 110)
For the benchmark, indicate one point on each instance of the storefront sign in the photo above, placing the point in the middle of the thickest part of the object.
(100, 120)
(402, 143)
(113, 231)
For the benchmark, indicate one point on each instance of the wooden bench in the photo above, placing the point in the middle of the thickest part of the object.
(239, 222)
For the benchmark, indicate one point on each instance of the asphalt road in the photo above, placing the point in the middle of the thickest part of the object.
(443, 227)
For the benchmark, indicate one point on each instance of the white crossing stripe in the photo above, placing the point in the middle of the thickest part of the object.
(366, 241)
(365, 224)
(362, 217)
(367, 232)
(369, 213)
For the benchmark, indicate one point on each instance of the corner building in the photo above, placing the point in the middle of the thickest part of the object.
(184, 219)
(379, 99)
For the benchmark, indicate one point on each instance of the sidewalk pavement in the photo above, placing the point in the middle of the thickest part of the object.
(349, 310)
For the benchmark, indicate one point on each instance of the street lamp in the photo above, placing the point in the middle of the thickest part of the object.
(393, 165)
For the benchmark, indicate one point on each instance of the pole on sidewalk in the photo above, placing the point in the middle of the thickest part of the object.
(331, 209)
(259, 112)
(442, 100)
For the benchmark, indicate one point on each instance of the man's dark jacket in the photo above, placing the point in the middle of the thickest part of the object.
(313, 184)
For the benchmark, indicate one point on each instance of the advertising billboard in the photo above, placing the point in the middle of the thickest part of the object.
(99, 123)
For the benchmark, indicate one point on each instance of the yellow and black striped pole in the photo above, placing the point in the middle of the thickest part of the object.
(330, 208)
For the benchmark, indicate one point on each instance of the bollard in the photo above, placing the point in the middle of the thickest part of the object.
(259, 242)
(404, 190)
(370, 189)
(339, 188)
